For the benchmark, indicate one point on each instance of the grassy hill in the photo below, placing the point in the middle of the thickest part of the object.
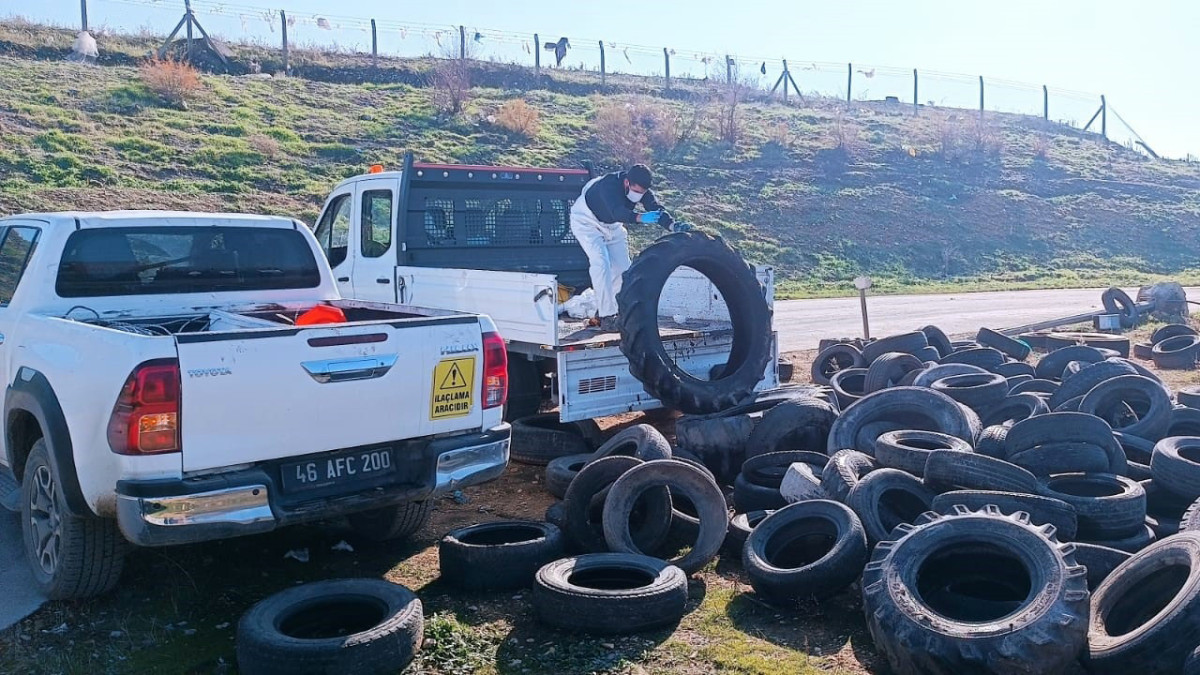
(821, 190)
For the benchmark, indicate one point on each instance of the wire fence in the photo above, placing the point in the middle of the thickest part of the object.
(787, 79)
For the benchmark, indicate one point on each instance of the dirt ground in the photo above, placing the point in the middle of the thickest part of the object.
(176, 609)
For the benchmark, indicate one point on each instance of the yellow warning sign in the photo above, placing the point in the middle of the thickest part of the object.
(453, 388)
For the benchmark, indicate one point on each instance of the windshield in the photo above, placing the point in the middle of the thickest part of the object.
(163, 260)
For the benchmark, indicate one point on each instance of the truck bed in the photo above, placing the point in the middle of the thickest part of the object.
(575, 334)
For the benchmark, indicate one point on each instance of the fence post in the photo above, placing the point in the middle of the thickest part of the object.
(849, 79)
(537, 55)
(784, 77)
(603, 74)
(1045, 103)
(1103, 117)
(728, 70)
(374, 46)
(462, 43)
(916, 104)
(981, 96)
(283, 24)
(667, 61)
(83, 13)
(188, 15)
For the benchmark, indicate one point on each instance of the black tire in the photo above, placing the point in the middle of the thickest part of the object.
(740, 527)
(1117, 345)
(978, 392)
(769, 469)
(640, 440)
(1176, 353)
(90, 552)
(991, 442)
(1035, 339)
(1011, 369)
(1175, 466)
(983, 357)
(1062, 457)
(556, 514)
(1144, 395)
(906, 343)
(1017, 379)
(1117, 301)
(399, 521)
(902, 408)
(1162, 526)
(1036, 386)
(680, 478)
(938, 340)
(811, 549)
(801, 424)
(1185, 421)
(1143, 351)
(736, 281)
(849, 385)
(1088, 377)
(1028, 613)
(1041, 510)
(609, 593)
(1068, 428)
(1140, 539)
(948, 470)
(502, 555)
(1051, 366)
(927, 355)
(1146, 614)
(1192, 665)
(886, 498)
(584, 500)
(751, 496)
(932, 374)
(1014, 408)
(908, 450)
(526, 388)
(1099, 560)
(1170, 331)
(362, 626)
(1191, 518)
(844, 470)
(1136, 449)
(1189, 395)
(562, 470)
(1108, 506)
(537, 439)
(834, 359)
(887, 370)
(1006, 345)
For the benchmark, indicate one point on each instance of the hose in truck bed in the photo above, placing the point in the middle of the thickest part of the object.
(748, 311)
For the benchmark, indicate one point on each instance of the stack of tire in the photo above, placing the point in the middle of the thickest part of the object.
(1172, 347)
(1004, 516)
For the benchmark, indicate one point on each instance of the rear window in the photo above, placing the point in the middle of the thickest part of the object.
(163, 260)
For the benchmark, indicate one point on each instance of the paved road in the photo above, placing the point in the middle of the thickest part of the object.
(801, 323)
(17, 597)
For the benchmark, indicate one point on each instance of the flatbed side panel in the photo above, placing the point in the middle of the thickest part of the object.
(597, 382)
(522, 305)
(689, 294)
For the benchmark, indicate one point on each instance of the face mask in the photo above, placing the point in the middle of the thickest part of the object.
(634, 197)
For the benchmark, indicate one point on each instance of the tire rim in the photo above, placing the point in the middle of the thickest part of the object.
(45, 520)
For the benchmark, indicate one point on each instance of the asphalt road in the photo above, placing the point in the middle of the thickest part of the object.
(17, 597)
(802, 323)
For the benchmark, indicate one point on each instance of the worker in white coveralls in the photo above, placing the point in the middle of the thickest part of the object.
(598, 220)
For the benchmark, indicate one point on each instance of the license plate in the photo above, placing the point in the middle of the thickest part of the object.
(343, 468)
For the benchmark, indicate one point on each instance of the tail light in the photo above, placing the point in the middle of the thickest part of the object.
(145, 419)
(495, 371)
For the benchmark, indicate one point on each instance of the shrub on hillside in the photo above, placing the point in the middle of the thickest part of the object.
(519, 117)
(173, 81)
(639, 129)
(451, 82)
(265, 145)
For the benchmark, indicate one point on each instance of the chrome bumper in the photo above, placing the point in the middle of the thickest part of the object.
(182, 519)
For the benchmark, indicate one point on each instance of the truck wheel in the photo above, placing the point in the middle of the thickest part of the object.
(359, 626)
(751, 318)
(392, 522)
(525, 389)
(71, 557)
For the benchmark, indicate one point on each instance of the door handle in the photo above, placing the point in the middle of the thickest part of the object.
(343, 278)
(344, 370)
(383, 281)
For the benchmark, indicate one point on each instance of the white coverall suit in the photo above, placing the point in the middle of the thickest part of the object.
(607, 249)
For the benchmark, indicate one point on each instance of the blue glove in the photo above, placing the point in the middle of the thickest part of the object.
(651, 217)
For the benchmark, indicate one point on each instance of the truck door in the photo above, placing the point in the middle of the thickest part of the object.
(333, 233)
(375, 253)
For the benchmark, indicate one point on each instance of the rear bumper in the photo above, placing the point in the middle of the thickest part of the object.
(250, 501)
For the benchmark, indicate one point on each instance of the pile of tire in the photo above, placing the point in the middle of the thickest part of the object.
(1000, 514)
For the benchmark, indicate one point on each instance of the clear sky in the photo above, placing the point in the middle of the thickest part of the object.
(1136, 53)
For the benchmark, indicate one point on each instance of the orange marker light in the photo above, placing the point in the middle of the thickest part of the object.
(375, 168)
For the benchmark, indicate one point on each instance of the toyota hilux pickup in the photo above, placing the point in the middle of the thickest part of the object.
(181, 377)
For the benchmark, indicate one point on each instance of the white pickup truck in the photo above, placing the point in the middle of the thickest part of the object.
(181, 377)
(497, 240)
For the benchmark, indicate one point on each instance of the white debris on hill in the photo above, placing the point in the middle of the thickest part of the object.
(84, 48)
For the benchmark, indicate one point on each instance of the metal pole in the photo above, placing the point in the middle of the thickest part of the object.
(374, 45)
(916, 105)
(603, 76)
(537, 55)
(667, 61)
(981, 96)
(862, 298)
(784, 77)
(1045, 103)
(283, 23)
(849, 79)
(462, 43)
(188, 17)
(1103, 117)
(728, 70)
(83, 13)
